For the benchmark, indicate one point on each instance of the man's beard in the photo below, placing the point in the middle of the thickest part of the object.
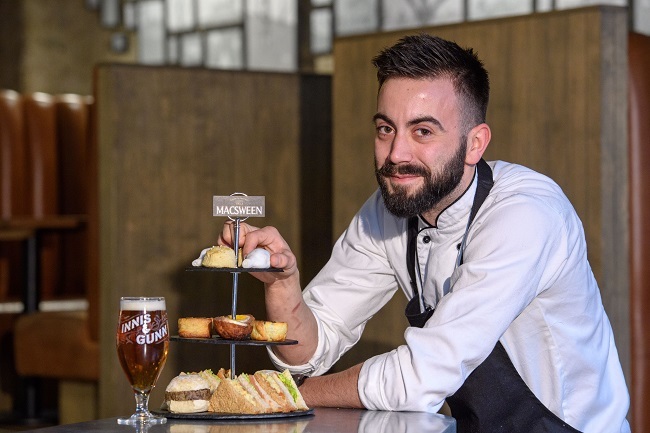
(402, 204)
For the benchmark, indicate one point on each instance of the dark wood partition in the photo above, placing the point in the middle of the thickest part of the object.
(168, 140)
(558, 104)
(639, 121)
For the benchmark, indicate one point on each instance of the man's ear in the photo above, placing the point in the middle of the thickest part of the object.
(477, 143)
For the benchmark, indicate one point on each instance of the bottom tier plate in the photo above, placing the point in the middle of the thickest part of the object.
(232, 416)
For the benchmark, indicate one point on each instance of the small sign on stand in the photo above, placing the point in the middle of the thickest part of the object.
(238, 206)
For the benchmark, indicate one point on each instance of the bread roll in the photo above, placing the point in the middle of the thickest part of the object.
(195, 327)
(188, 393)
(269, 331)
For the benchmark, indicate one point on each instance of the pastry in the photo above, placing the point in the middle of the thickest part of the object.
(269, 331)
(221, 256)
(195, 327)
(258, 258)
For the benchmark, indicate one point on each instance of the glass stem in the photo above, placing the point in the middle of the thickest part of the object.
(141, 404)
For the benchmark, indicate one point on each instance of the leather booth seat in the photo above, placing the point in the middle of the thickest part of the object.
(47, 195)
(56, 345)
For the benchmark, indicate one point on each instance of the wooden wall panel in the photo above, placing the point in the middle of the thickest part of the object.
(558, 105)
(168, 140)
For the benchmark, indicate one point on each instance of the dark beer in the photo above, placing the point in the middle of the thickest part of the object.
(142, 341)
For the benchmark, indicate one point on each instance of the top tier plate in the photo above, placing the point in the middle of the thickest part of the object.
(208, 269)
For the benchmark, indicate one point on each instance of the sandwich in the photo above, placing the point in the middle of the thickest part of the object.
(212, 379)
(187, 393)
(282, 388)
(235, 396)
(266, 391)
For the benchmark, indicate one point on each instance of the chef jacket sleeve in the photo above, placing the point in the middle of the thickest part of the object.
(355, 283)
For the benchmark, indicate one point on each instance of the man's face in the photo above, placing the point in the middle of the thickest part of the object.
(419, 150)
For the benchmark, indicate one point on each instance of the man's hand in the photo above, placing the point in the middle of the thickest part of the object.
(333, 390)
(269, 238)
(282, 291)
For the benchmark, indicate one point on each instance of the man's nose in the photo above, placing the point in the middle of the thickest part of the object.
(400, 149)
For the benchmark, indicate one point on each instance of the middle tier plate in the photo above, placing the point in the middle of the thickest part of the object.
(219, 340)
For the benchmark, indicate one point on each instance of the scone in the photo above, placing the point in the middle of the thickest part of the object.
(221, 257)
(269, 331)
(195, 327)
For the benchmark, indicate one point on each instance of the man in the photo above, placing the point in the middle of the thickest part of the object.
(507, 323)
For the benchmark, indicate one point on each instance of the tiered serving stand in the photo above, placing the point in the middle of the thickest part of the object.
(226, 206)
(223, 206)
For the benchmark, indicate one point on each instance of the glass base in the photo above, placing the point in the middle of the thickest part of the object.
(142, 418)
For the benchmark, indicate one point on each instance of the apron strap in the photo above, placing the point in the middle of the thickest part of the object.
(411, 246)
(483, 187)
(485, 183)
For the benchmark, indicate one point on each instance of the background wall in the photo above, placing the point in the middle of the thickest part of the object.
(168, 140)
(52, 46)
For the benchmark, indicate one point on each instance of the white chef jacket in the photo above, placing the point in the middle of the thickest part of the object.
(525, 281)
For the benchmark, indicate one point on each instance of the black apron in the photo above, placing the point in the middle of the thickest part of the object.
(494, 397)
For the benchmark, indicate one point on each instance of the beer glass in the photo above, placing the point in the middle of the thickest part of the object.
(142, 344)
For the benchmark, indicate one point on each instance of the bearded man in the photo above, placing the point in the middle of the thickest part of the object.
(507, 322)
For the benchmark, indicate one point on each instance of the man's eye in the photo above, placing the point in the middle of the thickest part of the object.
(383, 129)
(423, 132)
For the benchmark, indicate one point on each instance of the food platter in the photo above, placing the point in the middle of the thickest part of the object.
(230, 397)
(219, 340)
(232, 416)
(231, 270)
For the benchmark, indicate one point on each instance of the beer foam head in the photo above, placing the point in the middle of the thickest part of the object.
(142, 304)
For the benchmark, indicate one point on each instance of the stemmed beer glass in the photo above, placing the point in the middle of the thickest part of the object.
(142, 345)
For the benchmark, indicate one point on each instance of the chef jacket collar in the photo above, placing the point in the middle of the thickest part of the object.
(456, 213)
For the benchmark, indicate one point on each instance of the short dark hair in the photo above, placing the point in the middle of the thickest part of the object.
(425, 56)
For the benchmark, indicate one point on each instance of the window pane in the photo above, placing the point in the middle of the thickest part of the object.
(401, 14)
(128, 15)
(191, 53)
(568, 4)
(220, 12)
(642, 16)
(110, 13)
(321, 31)
(151, 32)
(271, 35)
(225, 49)
(180, 15)
(356, 16)
(544, 5)
(483, 9)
